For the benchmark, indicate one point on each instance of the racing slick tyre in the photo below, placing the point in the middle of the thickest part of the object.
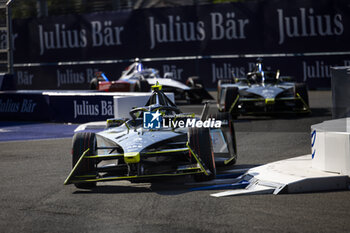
(194, 99)
(195, 96)
(201, 144)
(82, 142)
(287, 79)
(142, 86)
(301, 89)
(94, 84)
(220, 82)
(228, 127)
(230, 98)
(194, 81)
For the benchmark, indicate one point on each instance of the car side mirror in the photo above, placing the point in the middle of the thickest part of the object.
(278, 74)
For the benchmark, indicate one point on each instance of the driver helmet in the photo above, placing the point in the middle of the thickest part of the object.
(259, 67)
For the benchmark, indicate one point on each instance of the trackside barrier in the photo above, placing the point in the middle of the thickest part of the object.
(340, 91)
(7, 82)
(24, 105)
(330, 142)
(67, 106)
(326, 168)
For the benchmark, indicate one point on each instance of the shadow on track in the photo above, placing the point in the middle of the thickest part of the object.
(162, 186)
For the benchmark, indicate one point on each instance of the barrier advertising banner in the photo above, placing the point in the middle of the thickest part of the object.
(314, 70)
(24, 106)
(301, 38)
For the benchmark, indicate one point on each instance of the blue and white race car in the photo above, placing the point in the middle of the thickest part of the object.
(136, 78)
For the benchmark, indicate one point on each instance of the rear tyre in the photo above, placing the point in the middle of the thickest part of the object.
(194, 99)
(201, 145)
(82, 142)
(220, 83)
(230, 98)
(194, 96)
(142, 86)
(94, 84)
(227, 126)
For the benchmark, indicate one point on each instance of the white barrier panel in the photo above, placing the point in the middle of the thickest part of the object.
(295, 175)
(327, 168)
(340, 91)
(330, 143)
(123, 104)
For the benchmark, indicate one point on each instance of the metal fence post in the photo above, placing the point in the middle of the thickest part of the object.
(9, 38)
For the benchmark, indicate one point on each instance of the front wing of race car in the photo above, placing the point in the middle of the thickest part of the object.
(259, 105)
(245, 105)
(135, 159)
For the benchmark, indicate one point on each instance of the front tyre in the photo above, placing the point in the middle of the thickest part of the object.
(201, 144)
(231, 99)
(82, 142)
(220, 83)
(301, 89)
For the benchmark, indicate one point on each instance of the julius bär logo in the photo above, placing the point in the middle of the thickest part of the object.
(152, 120)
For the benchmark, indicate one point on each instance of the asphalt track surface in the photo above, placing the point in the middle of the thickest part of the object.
(34, 199)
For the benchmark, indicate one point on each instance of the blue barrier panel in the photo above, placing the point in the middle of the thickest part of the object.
(66, 106)
(25, 105)
(7, 82)
(251, 27)
(302, 38)
(78, 108)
